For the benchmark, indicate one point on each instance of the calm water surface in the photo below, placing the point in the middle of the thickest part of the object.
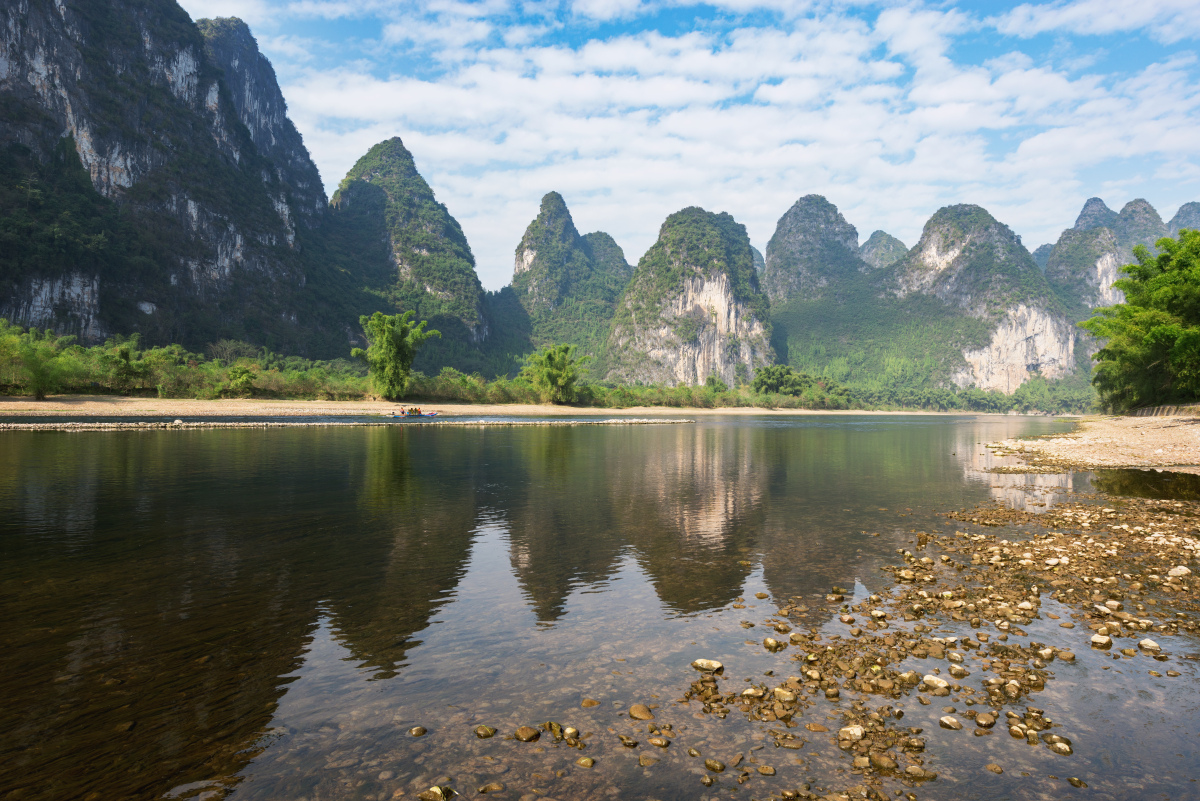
(264, 614)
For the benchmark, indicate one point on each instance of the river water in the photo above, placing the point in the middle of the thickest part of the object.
(265, 614)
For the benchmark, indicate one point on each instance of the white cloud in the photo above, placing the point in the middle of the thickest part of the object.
(879, 115)
(1168, 20)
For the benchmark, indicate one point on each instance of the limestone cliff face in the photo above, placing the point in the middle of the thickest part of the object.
(813, 245)
(203, 246)
(693, 307)
(261, 108)
(969, 260)
(1082, 267)
(1026, 340)
(70, 302)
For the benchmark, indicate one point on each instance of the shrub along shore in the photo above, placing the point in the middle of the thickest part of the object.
(39, 363)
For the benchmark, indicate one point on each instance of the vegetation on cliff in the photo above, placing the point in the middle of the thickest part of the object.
(568, 284)
(434, 267)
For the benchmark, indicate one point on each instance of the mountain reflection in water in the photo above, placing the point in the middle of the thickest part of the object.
(162, 591)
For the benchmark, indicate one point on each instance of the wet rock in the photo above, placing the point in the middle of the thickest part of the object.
(766, 770)
(437, 793)
(1076, 782)
(1066, 656)
(851, 733)
(786, 696)
(661, 742)
(491, 787)
(528, 734)
(1179, 572)
(571, 733)
(645, 760)
(994, 768)
(715, 765)
(761, 596)
(589, 703)
(882, 761)
(985, 720)
(640, 712)
(1063, 749)
(935, 682)
(1149, 645)
(772, 644)
(950, 722)
(585, 762)
(417, 731)
(484, 732)
(627, 741)
(1101, 641)
(708, 666)
(832, 694)
(816, 727)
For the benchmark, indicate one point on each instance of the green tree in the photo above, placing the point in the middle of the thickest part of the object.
(241, 380)
(392, 344)
(715, 383)
(39, 355)
(781, 379)
(1151, 353)
(555, 371)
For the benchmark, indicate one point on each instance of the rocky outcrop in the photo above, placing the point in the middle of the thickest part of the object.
(693, 307)
(551, 258)
(568, 284)
(433, 269)
(967, 258)
(206, 221)
(882, 250)
(813, 246)
(1027, 341)
(261, 108)
(67, 304)
(1082, 267)
(971, 261)
(1096, 214)
(1138, 223)
(1187, 217)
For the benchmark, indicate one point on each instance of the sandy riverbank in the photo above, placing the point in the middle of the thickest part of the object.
(118, 407)
(1172, 441)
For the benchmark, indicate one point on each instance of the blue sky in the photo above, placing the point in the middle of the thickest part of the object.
(633, 109)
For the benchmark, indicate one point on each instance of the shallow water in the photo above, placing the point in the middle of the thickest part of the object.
(267, 613)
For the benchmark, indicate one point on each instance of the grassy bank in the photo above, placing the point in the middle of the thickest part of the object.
(38, 363)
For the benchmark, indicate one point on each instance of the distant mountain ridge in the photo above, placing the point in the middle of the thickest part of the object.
(151, 182)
